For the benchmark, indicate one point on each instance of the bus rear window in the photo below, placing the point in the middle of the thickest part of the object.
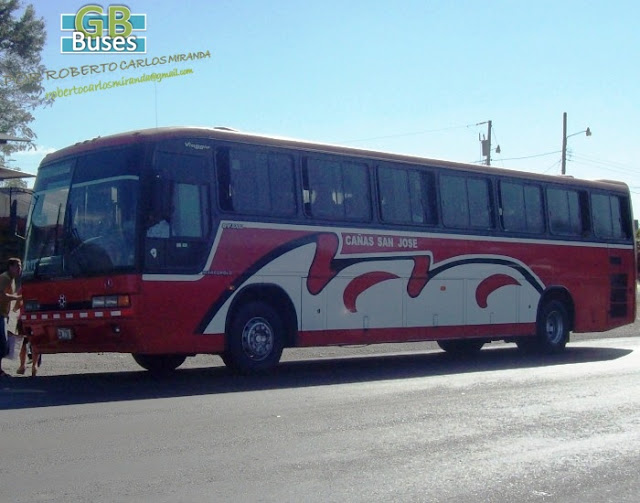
(610, 216)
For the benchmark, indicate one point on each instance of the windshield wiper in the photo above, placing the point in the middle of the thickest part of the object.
(45, 244)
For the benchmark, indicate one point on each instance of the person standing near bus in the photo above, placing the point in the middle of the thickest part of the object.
(7, 296)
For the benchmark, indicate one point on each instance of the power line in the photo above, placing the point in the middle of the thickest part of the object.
(530, 156)
(603, 168)
(619, 164)
(554, 165)
(611, 166)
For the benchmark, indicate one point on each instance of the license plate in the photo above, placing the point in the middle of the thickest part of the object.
(65, 334)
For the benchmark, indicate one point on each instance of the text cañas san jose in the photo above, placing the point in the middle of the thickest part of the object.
(380, 241)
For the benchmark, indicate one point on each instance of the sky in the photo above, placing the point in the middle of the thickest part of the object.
(421, 77)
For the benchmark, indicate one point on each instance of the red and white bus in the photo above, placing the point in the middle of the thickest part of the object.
(171, 242)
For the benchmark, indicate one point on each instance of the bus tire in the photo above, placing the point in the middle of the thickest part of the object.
(255, 340)
(159, 364)
(552, 327)
(467, 347)
(552, 330)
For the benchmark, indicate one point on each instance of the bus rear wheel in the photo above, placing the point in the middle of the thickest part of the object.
(552, 330)
(255, 340)
(159, 364)
(462, 347)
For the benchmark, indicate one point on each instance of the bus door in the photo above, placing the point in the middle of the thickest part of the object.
(178, 217)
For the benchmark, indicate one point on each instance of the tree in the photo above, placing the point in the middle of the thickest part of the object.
(21, 71)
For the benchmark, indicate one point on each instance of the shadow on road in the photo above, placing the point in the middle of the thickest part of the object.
(49, 391)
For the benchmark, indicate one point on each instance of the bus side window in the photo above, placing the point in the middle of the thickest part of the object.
(255, 182)
(324, 179)
(534, 213)
(397, 199)
(406, 195)
(521, 207)
(603, 226)
(466, 202)
(565, 215)
(610, 216)
(336, 190)
(455, 207)
(480, 207)
(282, 186)
(356, 191)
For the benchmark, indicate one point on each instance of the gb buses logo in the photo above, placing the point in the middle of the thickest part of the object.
(96, 31)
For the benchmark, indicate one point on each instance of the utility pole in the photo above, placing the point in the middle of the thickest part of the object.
(564, 141)
(486, 143)
(488, 154)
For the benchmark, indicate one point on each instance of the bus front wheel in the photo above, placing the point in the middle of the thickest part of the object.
(256, 339)
(159, 363)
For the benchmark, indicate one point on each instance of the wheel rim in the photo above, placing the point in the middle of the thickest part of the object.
(555, 327)
(257, 339)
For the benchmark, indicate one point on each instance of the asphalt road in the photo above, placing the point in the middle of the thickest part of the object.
(381, 423)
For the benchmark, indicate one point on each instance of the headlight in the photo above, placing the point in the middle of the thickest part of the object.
(110, 301)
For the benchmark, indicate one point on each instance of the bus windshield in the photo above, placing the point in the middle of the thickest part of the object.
(82, 222)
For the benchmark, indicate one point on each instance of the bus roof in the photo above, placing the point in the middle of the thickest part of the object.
(228, 134)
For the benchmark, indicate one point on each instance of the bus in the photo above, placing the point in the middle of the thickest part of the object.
(171, 242)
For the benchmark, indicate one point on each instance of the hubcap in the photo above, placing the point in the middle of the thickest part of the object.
(257, 339)
(555, 327)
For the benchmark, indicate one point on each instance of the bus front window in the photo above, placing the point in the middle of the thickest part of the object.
(46, 225)
(84, 216)
(100, 226)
